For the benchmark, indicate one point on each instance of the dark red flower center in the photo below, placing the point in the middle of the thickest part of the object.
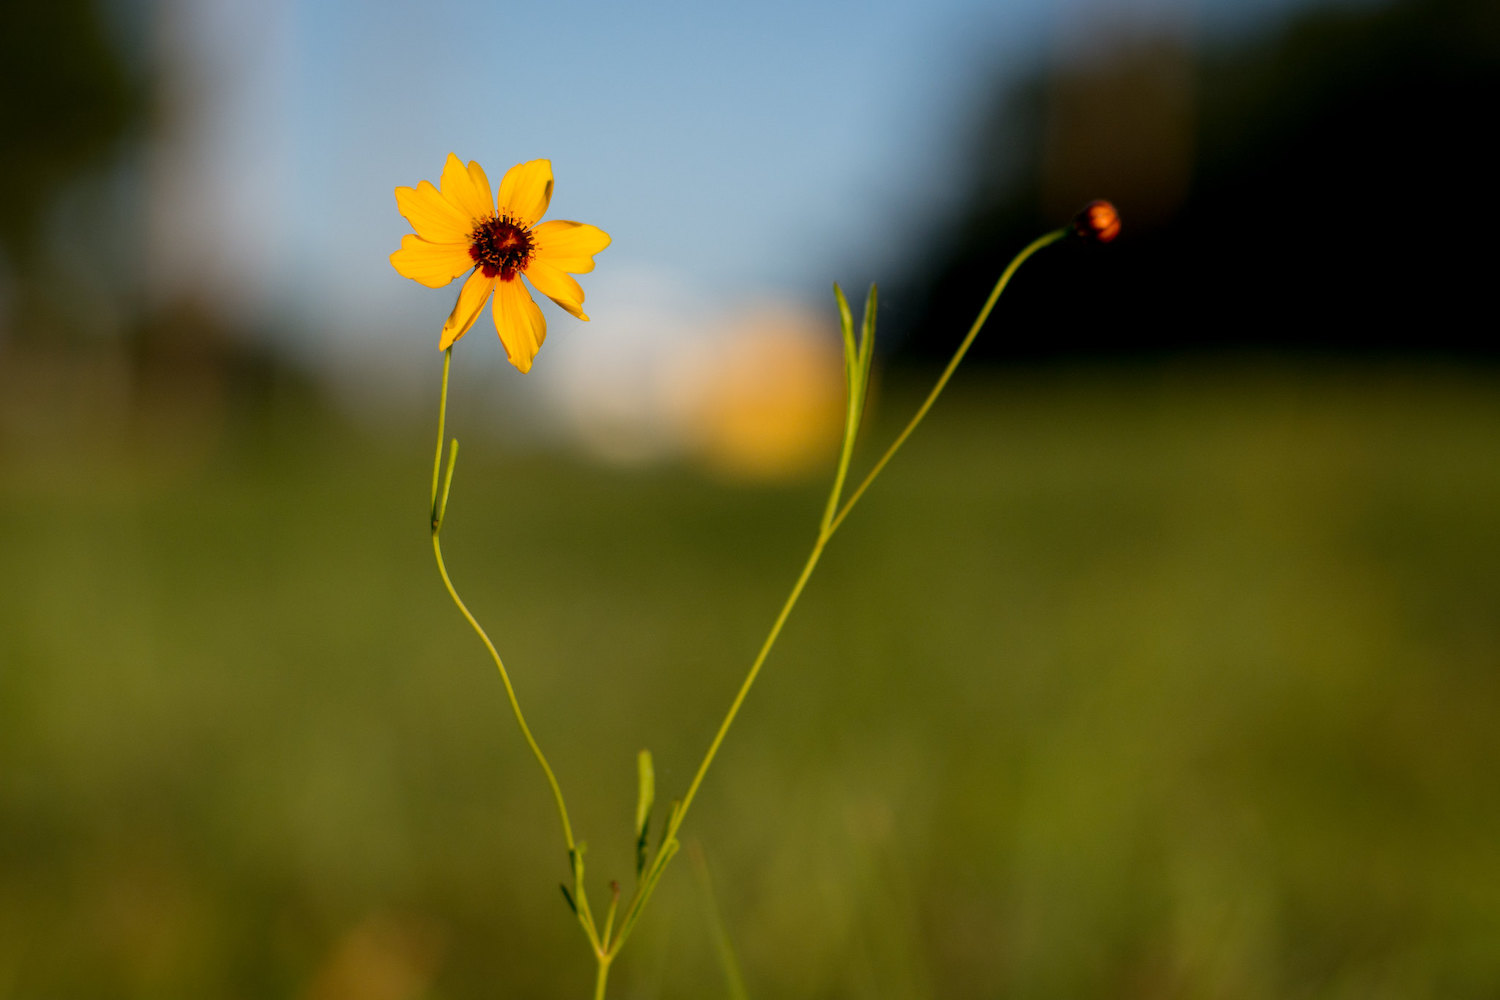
(500, 246)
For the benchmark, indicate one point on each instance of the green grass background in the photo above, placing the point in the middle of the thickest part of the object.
(1177, 681)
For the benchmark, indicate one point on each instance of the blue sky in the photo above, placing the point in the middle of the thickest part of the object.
(746, 147)
(742, 151)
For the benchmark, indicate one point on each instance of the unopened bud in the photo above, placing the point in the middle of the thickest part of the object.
(1098, 222)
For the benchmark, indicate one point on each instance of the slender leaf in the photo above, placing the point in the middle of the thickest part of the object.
(846, 326)
(867, 346)
(645, 799)
(668, 830)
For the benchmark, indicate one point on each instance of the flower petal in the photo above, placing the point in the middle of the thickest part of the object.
(558, 286)
(569, 245)
(525, 191)
(460, 188)
(519, 323)
(433, 264)
(482, 182)
(434, 217)
(470, 300)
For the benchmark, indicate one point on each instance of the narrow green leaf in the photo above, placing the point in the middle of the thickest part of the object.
(669, 852)
(867, 345)
(867, 328)
(846, 325)
(853, 397)
(851, 361)
(670, 828)
(642, 848)
(644, 800)
(568, 896)
(646, 794)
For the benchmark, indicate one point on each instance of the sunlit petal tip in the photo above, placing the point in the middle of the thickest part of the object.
(525, 191)
(460, 188)
(557, 285)
(482, 183)
(433, 216)
(470, 301)
(569, 246)
(519, 322)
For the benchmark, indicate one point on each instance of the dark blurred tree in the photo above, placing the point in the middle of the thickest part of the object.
(78, 109)
(1327, 187)
(67, 101)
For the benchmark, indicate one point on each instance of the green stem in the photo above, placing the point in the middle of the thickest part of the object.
(852, 408)
(510, 692)
(439, 509)
(942, 381)
(846, 454)
(754, 672)
(437, 459)
(644, 889)
(609, 918)
(603, 977)
(830, 525)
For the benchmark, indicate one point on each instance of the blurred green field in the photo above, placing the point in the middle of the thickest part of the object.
(1178, 681)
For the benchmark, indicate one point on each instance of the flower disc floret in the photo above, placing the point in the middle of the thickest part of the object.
(500, 248)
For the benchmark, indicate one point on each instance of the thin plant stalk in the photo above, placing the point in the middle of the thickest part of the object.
(601, 978)
(942, 381)
(831, 523)
(439, 510)
(857, 366)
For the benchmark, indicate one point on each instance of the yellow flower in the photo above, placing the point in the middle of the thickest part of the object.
(461, 227)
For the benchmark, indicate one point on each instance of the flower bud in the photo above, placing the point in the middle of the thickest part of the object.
(1097, 222)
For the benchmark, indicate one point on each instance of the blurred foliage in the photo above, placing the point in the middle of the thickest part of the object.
(75, 113)
(1177, 682)
(82, 338)
(1324, 186)
(68, 99)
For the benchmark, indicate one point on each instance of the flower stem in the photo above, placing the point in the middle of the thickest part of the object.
(439, 509)
(942, 381)
(754, 672)
(603, 977)
(437, 459)
(830, 525)
(833, 524)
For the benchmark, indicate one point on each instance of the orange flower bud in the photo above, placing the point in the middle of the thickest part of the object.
(1098, 222)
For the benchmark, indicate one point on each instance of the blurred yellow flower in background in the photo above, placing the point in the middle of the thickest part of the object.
(460, 226)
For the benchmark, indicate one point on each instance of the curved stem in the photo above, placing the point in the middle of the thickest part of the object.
(830, 525)
(510, 692)
(942, 381)
(833, 525)
(439, 509)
